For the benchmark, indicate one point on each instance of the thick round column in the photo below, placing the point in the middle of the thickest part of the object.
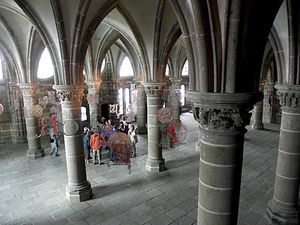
(32, 127)
(257, 115)
(78, 188)
(198, 143)
(174, 98)
(154, 162)
(141, 115)
(283, 208)
(93, 100)
(222, 119)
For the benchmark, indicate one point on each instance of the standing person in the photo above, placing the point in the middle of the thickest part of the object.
(96, 143)
(86, 144)
(133, 138)
(54, 142)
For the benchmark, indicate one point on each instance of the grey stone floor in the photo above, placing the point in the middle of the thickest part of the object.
(32, 191)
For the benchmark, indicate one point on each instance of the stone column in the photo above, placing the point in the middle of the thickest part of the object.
(257, 116)
(222, 119)
(268, 102)
(174, 98)
(141, 115)
(17, 126)
(32, 127)
(78, 188)
(283, 208)
(154, 162)
(93, 100)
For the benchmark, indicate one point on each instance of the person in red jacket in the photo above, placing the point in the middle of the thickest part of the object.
(96, 143)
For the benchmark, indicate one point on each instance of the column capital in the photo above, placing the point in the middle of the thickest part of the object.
(221, 112)
(154, 89)
(289, 96)
(94, 84)
(69, 93)
(28, 89)
(175, 82)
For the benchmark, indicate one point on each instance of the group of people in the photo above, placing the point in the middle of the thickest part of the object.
(95, 139)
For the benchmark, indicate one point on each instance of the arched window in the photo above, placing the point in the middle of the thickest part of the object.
(185, 69)
(167, 73)
(83, 114)
(127, 99)
(182, 95)
(126, 68)
(102, 65)
(45, 69)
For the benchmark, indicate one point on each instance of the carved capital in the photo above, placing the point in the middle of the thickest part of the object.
(221, 118)
(154, 89)
(69, 93)
(289, 96)
(223, 112)
(94, 84)
(28, 90)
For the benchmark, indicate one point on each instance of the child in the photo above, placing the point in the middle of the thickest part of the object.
(133, 138)
(54, 145)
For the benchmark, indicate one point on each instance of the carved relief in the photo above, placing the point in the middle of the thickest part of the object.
(28, 90)
(221, 118)
(155, 91)
(289, 99)
(75, 94)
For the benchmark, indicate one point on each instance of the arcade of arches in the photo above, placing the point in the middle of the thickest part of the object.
(221, 60)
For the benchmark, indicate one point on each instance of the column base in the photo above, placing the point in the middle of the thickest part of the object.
(276, 216)
(141, 130)
(155, 165)
(35, 153)
(257, 126)
(79, 193)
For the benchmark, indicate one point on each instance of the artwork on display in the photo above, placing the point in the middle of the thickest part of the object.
(37, 111)
(70, 127)
(164, 115)
(113, 108)
(172, 131)
(121, 148)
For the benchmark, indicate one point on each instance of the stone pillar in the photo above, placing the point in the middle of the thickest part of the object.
(222, 119)
(257, 116)
(198, 144)
(268, 102)
(154, 162)
(141, 115)
(17, 125)
(93, 100)
(78, 188)
(174, 98)
(32, 126)
(283, 208)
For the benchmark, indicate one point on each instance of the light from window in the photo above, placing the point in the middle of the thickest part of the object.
(126, 68)
(127, 99)
(45, 69)
(185, 69)
(102, 65)
(83, 114)
(182, 95)
(167, 73)
(120, 98)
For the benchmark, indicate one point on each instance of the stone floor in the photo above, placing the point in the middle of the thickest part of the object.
(32, 191)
